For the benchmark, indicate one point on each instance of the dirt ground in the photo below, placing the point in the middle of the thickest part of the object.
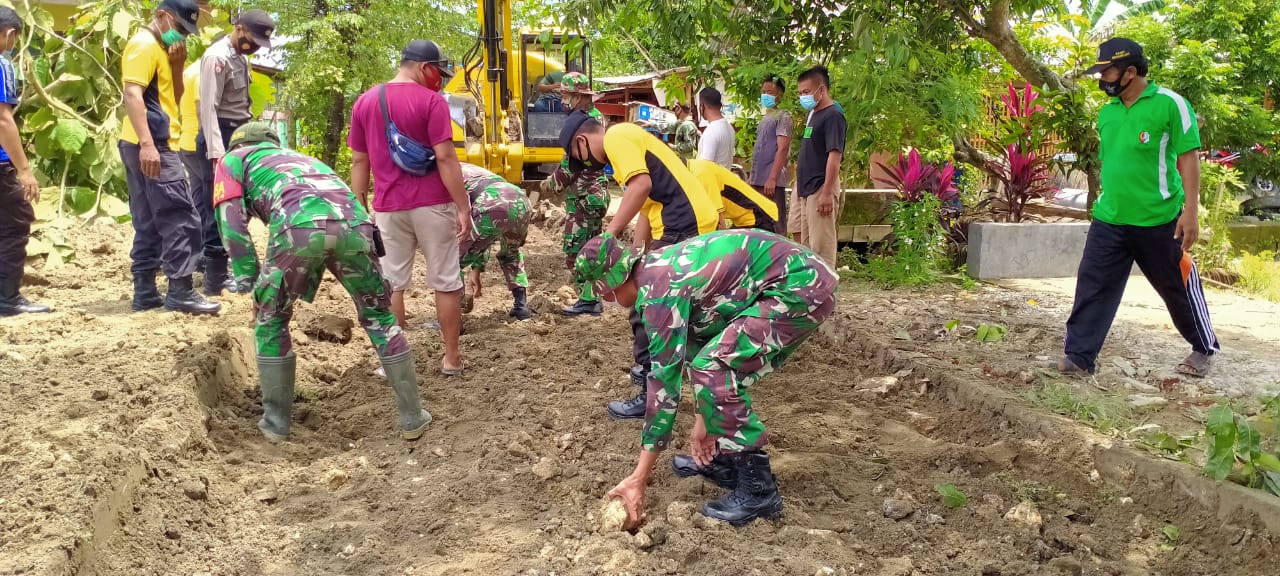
(128, 446)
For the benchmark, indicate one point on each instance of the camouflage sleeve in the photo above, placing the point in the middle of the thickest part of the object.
(233, 223)
(559, 179)
(666, 321)
(686, 138)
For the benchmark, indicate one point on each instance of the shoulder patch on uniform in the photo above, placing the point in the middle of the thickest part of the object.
(1183, 109)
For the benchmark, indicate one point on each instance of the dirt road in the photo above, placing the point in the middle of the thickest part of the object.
(128, 446)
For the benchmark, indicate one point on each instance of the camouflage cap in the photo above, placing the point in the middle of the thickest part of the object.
(576, 82)
(605, 261)
(254, 133)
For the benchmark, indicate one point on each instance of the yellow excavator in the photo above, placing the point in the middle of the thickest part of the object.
(500, 118)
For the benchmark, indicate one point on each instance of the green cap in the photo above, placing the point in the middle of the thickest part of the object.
(605, 261)
(254, 133)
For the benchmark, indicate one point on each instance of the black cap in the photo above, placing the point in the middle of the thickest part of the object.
(259, 25)
(572, 124)
(1115, 52)
(186, 11)
(423, 51)
(427, 52)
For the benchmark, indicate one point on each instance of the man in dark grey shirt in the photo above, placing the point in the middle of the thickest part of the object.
(773, 146)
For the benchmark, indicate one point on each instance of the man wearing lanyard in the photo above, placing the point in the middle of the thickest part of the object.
(818, 171)
(224, 105)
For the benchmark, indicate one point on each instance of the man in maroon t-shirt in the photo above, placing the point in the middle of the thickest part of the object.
(428, 213)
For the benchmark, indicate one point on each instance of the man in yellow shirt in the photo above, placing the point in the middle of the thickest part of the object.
(739, 204)
(165, 223)
(655, 183)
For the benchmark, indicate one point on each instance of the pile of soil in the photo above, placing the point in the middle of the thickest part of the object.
(128, 446)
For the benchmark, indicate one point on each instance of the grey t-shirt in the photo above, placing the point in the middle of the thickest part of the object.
(774, 124)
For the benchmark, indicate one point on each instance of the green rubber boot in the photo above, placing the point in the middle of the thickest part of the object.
(403, 378)
(275, 377)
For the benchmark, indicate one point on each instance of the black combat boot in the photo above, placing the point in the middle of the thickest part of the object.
(13, 303)
(637, 375)
(628, 409)
(584, 307)
(755, 496)
(721, 470)
(216, 278)
(182, 297)
(145, 294)
(519, 306)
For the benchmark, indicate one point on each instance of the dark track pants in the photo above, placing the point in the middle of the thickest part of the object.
(1109, 254)
(165, 224)
(16, 216)
(201, 178)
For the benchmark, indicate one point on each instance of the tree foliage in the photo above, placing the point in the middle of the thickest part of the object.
(71, 101)
(1224, 58)
(334, 51)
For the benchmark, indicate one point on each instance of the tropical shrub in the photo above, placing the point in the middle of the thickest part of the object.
(1023, 170)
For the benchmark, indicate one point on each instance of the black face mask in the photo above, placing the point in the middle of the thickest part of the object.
(246, 46)
(576, 165)
(1114, 89)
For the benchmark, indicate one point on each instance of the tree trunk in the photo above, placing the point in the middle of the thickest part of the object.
(337, 118)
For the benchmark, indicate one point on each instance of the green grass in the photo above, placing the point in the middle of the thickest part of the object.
(1107, 414)
(1260, 275)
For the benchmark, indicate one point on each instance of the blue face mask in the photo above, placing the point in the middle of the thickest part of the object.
(768, 100)
(808, 102)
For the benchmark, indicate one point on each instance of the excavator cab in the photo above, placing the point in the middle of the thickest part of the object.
(506, 110)
(547, 57)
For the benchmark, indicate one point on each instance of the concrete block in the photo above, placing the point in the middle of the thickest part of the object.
(1026, 250)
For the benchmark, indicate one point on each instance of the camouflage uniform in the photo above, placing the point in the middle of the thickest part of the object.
(586, 200)
(499, 213)
(737, 303)
(314, 222)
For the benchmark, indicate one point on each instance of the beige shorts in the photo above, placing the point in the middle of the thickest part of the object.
(431, 229)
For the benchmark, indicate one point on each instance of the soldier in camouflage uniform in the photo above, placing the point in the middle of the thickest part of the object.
(736, 304)
(586, 193)
(499, 213)
(313, 222)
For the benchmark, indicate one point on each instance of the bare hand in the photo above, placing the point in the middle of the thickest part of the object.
(473, 283)
(464, 225)
(631, 492)
(701, 446)
(30, 187)
(178, 55)
(826, 203)
(149, 160)
(1187, 230)
(769, 186)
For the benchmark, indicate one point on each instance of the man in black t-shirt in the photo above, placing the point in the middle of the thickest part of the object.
(818, 171)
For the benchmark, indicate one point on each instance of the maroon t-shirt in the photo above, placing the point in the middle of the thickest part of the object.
(420, 114)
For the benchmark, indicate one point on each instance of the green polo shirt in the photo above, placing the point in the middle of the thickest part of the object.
(1140, 148)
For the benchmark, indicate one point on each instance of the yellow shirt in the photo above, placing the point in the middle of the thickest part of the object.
(743, 207)
(146, 63)
(187, 113)
(677, 206)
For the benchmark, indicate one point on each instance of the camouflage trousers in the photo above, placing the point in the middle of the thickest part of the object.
(295, 265)
(585, 207)
(508, 227)
(751, 346)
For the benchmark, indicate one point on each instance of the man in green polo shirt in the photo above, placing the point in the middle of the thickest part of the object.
(1146, 213)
